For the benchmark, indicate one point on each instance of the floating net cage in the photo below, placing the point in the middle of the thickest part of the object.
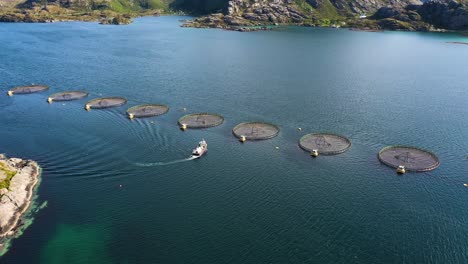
(67, 96)
(147, 110)
(106, 102)
(201, 120)
(28, 89)
(414, 159)
(325, 143)
(255, 131)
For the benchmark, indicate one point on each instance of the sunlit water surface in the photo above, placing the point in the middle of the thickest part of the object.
(242, 203)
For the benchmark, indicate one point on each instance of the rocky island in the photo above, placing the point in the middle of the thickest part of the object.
(18, 179)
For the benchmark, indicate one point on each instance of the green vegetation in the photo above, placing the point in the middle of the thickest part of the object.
(395, 24)
(199, 6)
(327, 10)
(126, 6)
(154, 4)
(5, 183)
(304, 6)
(325, 15)
(120, 6)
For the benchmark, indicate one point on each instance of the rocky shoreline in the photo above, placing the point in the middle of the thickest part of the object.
(254, 15)
(55, 13)
(18, 179)
(219, 21)
(405, 15)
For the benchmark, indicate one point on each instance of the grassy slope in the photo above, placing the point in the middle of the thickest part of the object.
(131, 6)
(5, 183)
(199, 6)
(325, 14)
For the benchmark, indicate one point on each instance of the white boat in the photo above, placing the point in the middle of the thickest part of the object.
(201, 149)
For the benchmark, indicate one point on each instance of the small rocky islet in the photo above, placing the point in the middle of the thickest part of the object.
(18, 179)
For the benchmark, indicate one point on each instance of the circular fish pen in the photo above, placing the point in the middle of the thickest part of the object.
(107, 102)
(324, 143)
(255, 131)
(147, 110)
(200, 120)
(413, 159)
(28, 89)
(67, 96)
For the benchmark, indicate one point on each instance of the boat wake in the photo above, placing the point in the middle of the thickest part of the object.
(151, 164)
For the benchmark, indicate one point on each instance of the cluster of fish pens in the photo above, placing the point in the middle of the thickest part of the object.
(403, 158)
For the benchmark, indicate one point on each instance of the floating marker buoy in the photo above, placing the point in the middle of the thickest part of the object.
(276, 147)
(10, 93)
(131, 116)
(401, 169)
(465, 184)
(120, 185)
(184, 109)
(242, 139)
(314, 153)
(300, 129)
(152, 122)
(87, 107)
(49, 100)
(183, 126)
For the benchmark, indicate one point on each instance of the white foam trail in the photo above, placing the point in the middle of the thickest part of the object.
(163, 163)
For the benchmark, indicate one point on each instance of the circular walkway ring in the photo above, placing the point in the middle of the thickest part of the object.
(200, 120)
(147, 110)
(28, 89)
(67, 96)
(412, 158)
(255, 131)
(325, 143)
(105, 102)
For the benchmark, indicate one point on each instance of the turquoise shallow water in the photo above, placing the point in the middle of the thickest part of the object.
(242, 203)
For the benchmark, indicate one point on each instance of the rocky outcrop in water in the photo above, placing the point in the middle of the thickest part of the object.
(17, 181)
(117, 20)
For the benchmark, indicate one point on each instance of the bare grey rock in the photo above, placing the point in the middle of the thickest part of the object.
(15, 200)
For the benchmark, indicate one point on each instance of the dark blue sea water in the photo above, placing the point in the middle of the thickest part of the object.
(242, 203)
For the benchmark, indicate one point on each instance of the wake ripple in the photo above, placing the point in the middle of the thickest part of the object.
(152, 164)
